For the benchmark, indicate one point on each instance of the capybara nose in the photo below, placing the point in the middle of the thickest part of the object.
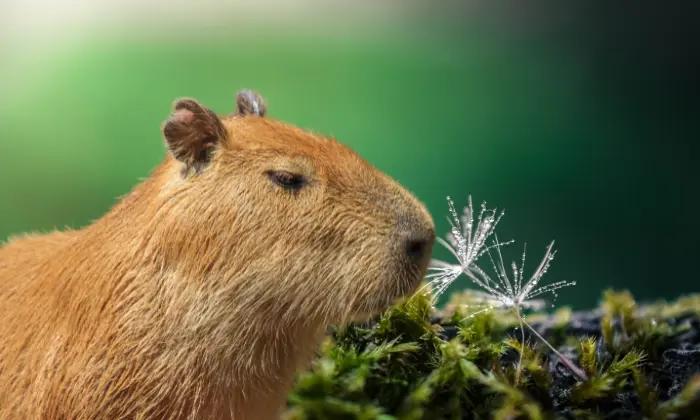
(418, 242)
(416, 248)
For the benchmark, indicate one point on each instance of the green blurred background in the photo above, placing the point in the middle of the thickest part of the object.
(579, 119)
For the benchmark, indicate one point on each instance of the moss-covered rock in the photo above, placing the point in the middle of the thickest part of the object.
(414, 362)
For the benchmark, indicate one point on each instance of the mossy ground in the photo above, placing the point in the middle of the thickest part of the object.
(414, 362)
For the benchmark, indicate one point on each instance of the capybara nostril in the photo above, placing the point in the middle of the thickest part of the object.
(416, 234)
(418, 245)
(416, 248)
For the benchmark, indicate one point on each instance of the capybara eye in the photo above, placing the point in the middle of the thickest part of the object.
(287, 180)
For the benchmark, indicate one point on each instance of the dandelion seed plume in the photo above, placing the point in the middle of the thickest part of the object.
(501, 289)
(467, 242)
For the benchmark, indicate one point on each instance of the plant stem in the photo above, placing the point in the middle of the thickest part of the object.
(580, 374)
(522, 348)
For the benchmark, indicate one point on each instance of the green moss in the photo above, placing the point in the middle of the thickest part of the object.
(589, 361)
(414, 362)
(607, 384)
(648, 398)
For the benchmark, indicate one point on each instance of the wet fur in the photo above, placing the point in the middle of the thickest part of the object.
(203, 291)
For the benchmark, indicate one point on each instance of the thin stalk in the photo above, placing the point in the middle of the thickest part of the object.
(522, 348)
(579, 373)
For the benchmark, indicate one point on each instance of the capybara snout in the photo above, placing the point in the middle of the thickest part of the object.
(412, 241)
(416, 237)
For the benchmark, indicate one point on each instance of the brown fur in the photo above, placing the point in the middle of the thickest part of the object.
(202, 292)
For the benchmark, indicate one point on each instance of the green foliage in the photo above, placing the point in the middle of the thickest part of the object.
(621, 305)
(533, 363)
(607, 383)
(588, 357)
(336, 383)
(648, 398)
(414, 362)
(624, 329)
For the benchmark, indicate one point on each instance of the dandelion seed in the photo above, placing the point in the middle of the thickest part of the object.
(465, 242)
(468, 245)
(512, 293)
(515, 296)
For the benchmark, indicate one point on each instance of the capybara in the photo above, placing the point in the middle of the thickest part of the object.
(202, 292)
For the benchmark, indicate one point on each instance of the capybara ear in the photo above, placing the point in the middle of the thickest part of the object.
(249, 102)
(192, 132)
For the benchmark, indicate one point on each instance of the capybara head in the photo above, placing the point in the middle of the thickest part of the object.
(286, 220)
